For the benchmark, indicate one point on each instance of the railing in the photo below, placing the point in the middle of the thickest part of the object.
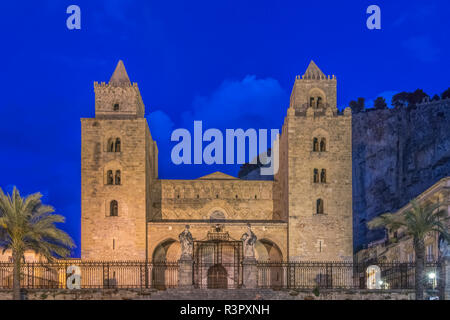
(126, 274)
(276, 275)
(341, 275)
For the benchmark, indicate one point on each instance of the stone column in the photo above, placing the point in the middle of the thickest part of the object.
(250, 273)
(185, 272)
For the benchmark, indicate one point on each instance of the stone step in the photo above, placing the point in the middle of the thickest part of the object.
(218, 294)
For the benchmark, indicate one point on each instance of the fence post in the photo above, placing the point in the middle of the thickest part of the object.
(250, 271)
(185, 272)
(146, 274)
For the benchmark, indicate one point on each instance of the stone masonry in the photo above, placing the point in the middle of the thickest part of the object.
(128, 213)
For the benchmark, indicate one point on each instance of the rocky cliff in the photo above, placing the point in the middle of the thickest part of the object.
(397, 154)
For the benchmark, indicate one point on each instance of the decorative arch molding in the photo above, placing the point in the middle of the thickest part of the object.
(213, 213)
(167, 250)
(315, 93)
(268, 250)
(319, 133)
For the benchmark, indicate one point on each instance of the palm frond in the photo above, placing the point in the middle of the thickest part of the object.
(28, 224)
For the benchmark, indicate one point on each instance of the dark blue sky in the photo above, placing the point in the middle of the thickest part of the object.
(228, 63)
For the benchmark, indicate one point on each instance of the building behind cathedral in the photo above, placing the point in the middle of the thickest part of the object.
(304, 214)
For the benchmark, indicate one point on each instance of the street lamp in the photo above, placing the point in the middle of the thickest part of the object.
(432, 277)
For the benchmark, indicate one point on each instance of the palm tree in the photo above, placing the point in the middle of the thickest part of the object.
(27, 224)
(417, 222)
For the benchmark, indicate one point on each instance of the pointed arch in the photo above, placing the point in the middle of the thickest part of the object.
(323, 176)
(316, 175)
(117, 147)
(110, 145)
(319, 206)
(109, 177)
(315, 144)
(318, 97)
(323, 144)
(113, 208)
(117, 178)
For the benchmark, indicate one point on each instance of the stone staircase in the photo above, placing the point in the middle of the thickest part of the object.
(219, 294)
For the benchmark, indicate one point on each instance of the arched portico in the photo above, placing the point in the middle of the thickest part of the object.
(268, 251)
(165, 253)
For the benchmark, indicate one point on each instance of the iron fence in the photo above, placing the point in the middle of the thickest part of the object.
(343, 275)
(225, 275)
(98, 274)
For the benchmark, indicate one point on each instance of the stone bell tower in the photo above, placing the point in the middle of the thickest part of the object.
(118, 169)
(315, 175)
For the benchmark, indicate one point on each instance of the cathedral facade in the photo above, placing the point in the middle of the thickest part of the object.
(304, 214)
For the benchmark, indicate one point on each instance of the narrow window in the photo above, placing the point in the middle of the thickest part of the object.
(117, 149)
(116, 107)
(315, 144)
(109, 177)
(319, 206)
(319, 102)
(323, 176)
(311, 101)
(117, 178)
(316, 175)
(110, 145)
(113, 209)
(323, 145)
(114, 244)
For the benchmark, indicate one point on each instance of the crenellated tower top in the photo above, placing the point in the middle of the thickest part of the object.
(314, 91)
(119, 98)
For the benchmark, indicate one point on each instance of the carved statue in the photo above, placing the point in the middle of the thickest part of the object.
(187, 243)
(249, 239)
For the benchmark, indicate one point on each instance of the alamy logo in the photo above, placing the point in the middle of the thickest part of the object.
(213, 153)
(74, 20)
(74, 277)
(374, 20)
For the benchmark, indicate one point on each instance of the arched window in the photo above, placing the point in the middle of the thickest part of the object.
(117, 148)
(323, 145)
(315, 144)
(217, 215)
(323, 176)
(319, 206)
(116, 107)
(114, 208)
(110, 147)
(316, 175)
(117, 177)
(311, 101)
(109, 177)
